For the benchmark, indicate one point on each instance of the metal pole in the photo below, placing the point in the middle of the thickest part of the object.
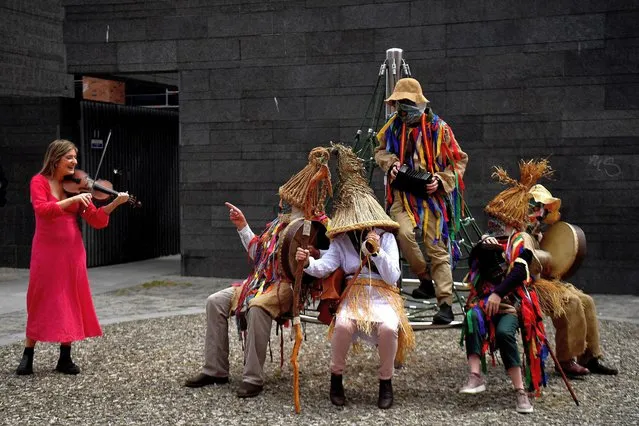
(394, 62)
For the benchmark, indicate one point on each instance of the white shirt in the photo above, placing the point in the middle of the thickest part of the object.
(341, 253)
(246, 235)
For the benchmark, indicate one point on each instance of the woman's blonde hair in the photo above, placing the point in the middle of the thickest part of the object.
(55, 151)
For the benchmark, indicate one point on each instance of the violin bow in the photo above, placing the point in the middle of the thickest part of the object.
(95, 177)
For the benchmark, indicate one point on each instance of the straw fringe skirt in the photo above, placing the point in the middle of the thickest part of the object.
(361, 309)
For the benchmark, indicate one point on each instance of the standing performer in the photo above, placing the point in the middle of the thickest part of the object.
(415, 136)
(524, 207)
(59, 303)
(266, 294)
(497, 308)
(362, 240)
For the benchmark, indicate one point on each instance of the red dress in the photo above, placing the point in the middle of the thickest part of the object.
(59, 303)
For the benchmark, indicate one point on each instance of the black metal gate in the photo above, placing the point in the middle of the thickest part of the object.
(141, 158)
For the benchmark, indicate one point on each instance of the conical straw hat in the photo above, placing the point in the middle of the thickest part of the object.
(355, 207)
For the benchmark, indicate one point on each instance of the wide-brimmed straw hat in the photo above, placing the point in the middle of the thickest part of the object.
(408, 88)
(543, 196)
(552, 204)
(355, 206)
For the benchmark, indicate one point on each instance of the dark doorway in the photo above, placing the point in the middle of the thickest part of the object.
(141, 158)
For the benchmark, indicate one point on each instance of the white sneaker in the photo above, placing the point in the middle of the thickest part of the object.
(475, 384)
(523, 403)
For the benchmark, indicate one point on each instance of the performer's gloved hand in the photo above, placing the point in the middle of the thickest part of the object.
(492, 304)
(370, 246)
(488, 240)
(392, 172)
(301, 255)
(433, 186)
(527, 255)
(236, 216)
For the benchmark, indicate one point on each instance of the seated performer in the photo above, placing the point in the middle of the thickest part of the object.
(492, 318)
(418, 138)
(524, 207)
(363, 245)
(265, 295)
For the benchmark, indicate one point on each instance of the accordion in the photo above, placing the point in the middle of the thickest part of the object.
(412, 181)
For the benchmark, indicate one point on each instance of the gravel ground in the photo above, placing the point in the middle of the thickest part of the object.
(134, 375)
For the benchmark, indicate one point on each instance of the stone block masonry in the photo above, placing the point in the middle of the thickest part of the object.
(261, 83)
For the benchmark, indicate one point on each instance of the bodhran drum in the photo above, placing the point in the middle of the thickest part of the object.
(292, 239)
(566, 244)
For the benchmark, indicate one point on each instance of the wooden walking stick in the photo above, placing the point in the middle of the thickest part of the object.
(311, 194)
(561, 370)
(552, 355)
(297, 326)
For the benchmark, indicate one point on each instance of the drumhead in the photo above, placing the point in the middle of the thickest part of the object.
(566, 244)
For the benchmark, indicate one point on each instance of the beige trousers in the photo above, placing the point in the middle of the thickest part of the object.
(577, 332)
(438, 253)
(216, 343)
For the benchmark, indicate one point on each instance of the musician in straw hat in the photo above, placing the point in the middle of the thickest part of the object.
(363, 245)
(417, 137)
(517, 215)
(266, 294)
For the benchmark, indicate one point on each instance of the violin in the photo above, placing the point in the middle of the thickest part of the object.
(101, 189)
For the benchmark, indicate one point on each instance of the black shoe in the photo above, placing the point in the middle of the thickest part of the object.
(426, 289)
(444, 315)
(385, 394)
(337, 390)
(249, 390)
(596, 367)
(26, 365)
(66, 366)
(204, 380)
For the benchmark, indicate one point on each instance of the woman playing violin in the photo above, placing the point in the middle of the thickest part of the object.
(59, 303)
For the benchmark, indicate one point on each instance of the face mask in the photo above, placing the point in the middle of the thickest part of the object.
(410, 114)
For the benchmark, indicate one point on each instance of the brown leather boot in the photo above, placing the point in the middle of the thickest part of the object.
(572, 369)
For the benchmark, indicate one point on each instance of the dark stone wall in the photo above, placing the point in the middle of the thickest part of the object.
(33, 78)
(32, 52)
(513, 79)
(27, 126)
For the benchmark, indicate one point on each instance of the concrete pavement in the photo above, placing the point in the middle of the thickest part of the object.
(153, 288)
(14, 282)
